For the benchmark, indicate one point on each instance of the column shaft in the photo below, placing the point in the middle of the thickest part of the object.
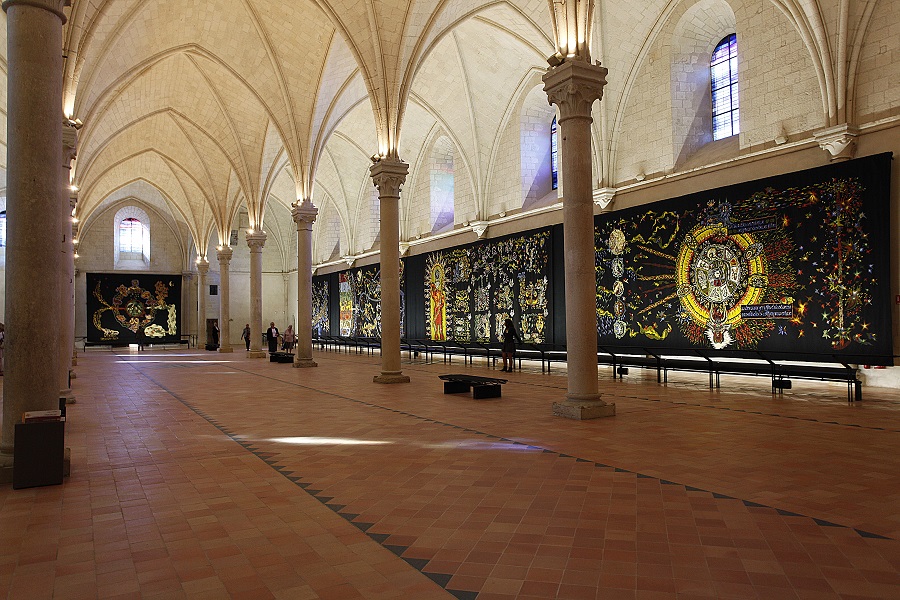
(256, 241)
(67, 268)
(224, 255)
(34, 139)
(202, 292)
(573, 87)
(304, 215)
(389, 174)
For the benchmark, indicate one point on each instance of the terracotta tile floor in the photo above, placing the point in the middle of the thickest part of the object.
(202, 475)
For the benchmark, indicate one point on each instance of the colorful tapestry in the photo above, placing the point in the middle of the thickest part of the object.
(796, 263)
(360, 302)
(471, 290)
(320, 321)
(124, 307)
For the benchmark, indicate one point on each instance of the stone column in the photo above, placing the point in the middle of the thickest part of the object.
(389, 174)
(72, 359)
(186, 293)
(256, 241)
(202, 293)
(34, 139)
(224, 255)
(67, 267)
(304, 215)
(573, 86)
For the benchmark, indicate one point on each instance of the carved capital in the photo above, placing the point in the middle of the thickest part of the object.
(203, 267)
(304, 215)
(603, 197)
(187, 276)
(224, 254)
(256, 241)
(573, 86)
(54, 6)
(389, 175)
(70, 145)
(839, 141)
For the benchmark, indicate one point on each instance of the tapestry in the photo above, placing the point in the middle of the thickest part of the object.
(320, 320)
(471, 290)
(793, 264)
(360, 302)
(124, 307)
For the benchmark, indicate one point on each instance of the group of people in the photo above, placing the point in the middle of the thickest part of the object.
(288, 339)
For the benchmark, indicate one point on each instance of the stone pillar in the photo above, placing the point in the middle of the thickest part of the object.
(224, 255)
(256, 241)
(202, 293)
(186, 293)
(573, 86)
(72, 359)
(389, 174)
(67, 267)
(304, 215)
(34, 139)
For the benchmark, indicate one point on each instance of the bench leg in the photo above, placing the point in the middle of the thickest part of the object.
(486, 391)
(455, 387)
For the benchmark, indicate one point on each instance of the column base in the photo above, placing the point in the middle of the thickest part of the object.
(397, 377)
(68, 395)
(225, 349)
(256, 354)
(6, 467)
(73, 374)
(303, 363)
(583, 410)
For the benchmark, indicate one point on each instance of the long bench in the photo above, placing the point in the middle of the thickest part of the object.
(482, 387)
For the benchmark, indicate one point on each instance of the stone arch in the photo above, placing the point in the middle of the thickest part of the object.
(695, 36)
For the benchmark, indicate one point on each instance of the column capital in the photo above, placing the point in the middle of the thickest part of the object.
(839, 141)
(224, 254)
(389, 175)
(54, 6)
(256, 241)
(203, 267)
(573, 86)
(304, 215)
(187, 275)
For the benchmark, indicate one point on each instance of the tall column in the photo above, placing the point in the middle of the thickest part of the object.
(34, 139)
(573, 86)
(304, 215)
(202, 293)
(72, 360)
(389, 174)
(224, 255)
(187, 291)
(256, 241)
(66, 337)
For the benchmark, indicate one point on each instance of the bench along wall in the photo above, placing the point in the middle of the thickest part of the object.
(793, 266)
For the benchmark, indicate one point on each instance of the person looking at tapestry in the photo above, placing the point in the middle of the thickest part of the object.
(245, 335)
(272, 337)
(288, 339)
(508, 352)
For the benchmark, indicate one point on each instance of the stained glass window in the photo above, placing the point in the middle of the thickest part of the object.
(724, 76)
(554, 154)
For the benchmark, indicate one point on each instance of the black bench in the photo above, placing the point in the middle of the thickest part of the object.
(281, 357)
(482, 387)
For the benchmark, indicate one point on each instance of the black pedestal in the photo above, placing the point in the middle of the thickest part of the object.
(38, 454)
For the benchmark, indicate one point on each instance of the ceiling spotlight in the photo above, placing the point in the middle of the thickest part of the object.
(555, 60)
(375, 158)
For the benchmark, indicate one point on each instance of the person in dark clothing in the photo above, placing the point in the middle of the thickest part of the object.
(272, 337)
(508, 352)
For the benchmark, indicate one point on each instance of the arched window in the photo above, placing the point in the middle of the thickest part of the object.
(131, 238)
(554, 154)
(442, 185)
(3, 228)
(724, 78)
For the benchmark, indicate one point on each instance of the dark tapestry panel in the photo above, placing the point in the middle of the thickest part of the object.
(471, 290)
(123, 306)
(360, 302)
(792, 264)
(320, 319)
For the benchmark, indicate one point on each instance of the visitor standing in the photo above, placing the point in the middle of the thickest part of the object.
(272, 337)
(245, 335)
(289, 339)
(508, 352)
